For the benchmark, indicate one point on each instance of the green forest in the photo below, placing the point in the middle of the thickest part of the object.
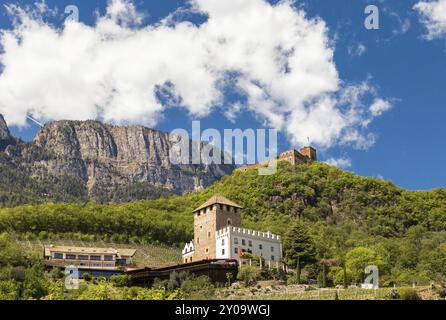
(346, 221)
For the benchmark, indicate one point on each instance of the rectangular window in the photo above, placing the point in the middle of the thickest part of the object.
(243, 242)
(121, 261)
(260, 247)
(235, 250)
(272, 258)
(272, 249)
(235, 240)
(83, 257)
(58, 255)
(96, 258)
(222, 242)
(70, 256)
(250, 243)
(223, 252)
(108, 258)
(209, 234)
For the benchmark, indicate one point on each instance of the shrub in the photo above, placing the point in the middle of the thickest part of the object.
(56, 274)
(394, 294)
(291, 280)
(121, 280)
(18, 274)
(272, 274)
(198, 287)
(409, 294)
(176, 280)
(159, 284)
(442, 294)
(248, 275)
(86, 276)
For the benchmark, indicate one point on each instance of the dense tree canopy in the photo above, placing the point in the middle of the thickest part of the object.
(406, 230)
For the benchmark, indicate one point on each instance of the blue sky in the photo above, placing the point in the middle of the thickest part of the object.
(403, 67)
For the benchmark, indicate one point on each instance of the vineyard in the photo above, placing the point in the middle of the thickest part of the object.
(284, 293)
(147, 255)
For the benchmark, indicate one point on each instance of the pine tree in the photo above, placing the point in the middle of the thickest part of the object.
(298, 248)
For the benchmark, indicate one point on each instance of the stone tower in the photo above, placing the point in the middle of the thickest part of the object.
(309, 152)
(215, 214)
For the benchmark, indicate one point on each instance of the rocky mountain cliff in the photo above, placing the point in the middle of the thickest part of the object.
(106, 162)
(5, 137)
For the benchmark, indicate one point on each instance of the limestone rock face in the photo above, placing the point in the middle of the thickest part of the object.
(107, 155)
(5, 136)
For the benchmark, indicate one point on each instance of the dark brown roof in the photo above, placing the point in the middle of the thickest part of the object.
(218, 199)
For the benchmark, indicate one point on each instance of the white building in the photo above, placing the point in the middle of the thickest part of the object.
(233, 242)
(218, 235)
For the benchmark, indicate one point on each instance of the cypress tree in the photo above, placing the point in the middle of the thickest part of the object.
(298, 247)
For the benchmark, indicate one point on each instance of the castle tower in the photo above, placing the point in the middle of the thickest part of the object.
(309, 152)
(215, 214)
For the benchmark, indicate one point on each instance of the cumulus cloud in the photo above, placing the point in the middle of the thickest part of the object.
(342, 163)
(232, 111)
(279, 61)
(433, 16)
(379, 106)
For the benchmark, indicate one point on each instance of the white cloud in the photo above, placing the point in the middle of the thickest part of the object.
(123, 12)
(433, 16)
(379, 106)
(232, 112)
(403, 26)
(342, 163)
(358, 50)
(114, 71)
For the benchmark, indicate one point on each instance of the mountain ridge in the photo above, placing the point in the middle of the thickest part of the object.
(105, 160)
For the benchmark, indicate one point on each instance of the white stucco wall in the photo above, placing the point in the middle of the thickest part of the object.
(264, 244)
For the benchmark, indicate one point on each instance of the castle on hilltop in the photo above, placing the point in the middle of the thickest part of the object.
(218, 235)
(304, 155)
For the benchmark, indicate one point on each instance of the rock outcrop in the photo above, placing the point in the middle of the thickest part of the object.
(105, 157)
(5, 136)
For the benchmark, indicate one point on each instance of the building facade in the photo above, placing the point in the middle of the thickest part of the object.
(218, 235)
(88, 258)
(233, 243)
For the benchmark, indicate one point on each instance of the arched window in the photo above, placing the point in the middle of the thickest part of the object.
(229, 222)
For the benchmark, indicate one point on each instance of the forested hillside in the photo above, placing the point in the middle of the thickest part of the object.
(346, 215)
